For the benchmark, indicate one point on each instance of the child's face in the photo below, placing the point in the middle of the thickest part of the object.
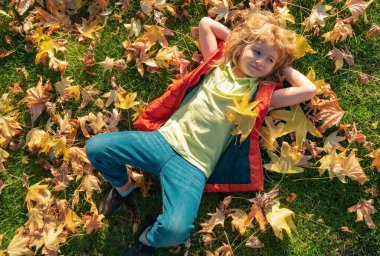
(257, 60)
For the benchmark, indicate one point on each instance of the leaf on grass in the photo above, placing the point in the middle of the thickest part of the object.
(280, 219)
(225, 250)
(38, 193)
(297, 122)
(9, 127)
(243, 114)
(37, 98)
(156, 33)
(291, 198)
(254, 242)
(88, 28)
(240, 221)
(352, 168)
(318, 14)
(332, 164)
(87, 93)
(346, 229)
(3, 156)
(270, 133)
(357, 7)
(373, 31)
(337, 56)
(328, 112)
(364, 210)
(302, 47)
(18, 246)
(355, 136)
(134, 27)
(283, 14)
(320, 84)
(223, 205)
(339, 33)
(376, 163)
(286, 163)
(126, 100)
(92, 222)
(332, 142)
(216, 218)
(53, 240)
(220, 8)
(257, 214)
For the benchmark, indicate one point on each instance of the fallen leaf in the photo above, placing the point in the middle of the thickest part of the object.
(88, 28)
(286, 162)
(254, 242)
(92, 222)
(376, 163)
(225, 250)
(364, 209)
(302, 47)
(372, 190)
(352, 168)
(156, 33)
(18, 246)
(339, 33)
(269, 133)
(291, 198)
(207, 240)
(257, 214)
(283, 14)
(38, 193)
(318, 14)
(332, 142)
(53, 240)
(280, 219)
(220, 8)
(239, 221)
(373, 31)
(346, 229)
(357, 7)
(297, 122)
(216, 219)
(355, 136)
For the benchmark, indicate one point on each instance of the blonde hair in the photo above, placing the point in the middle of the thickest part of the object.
(260, 26)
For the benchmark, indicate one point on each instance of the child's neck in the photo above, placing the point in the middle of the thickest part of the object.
(237, 73)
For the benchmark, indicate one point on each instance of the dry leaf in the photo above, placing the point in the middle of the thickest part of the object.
(270, 133)
(332, 142)
(297, 122)
(357, 7)
(239, 221)
(318, 14)
(376, 163)
(302, 47)
(373, 31)
(216, 219)
(88, 28)
(286, 163)
(291, 198)
(254, 242)
(18, 246)
(280, 219)
(364, 210)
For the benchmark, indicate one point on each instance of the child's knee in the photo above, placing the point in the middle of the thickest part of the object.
(94, 148)
(170, 234)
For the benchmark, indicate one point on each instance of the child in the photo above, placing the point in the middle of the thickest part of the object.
(187, 140)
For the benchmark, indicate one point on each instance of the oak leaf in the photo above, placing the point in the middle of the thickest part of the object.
(297, 122)
(286, 163)
(364, 210)
(243, 115)
(280, 219)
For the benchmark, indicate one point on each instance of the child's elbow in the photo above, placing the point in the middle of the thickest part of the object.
(312, 90)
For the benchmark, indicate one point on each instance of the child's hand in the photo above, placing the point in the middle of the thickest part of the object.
(209, 32)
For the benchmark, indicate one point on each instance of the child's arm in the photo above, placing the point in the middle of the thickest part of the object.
(209, 32)
(302, 90)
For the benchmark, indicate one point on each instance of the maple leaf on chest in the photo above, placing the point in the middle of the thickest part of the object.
(287, 161)
(297, 122)
(37, 98)
(364, 210)
(243, 114)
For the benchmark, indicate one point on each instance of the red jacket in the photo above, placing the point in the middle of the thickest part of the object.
(239, 168)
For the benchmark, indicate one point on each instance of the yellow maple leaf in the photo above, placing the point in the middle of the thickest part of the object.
(126, 100)
(302, 47)
(71, 221)
(39, 194)
(318, 83)
(220, 9)
(283, 14)
(270, 133)
(134, 27)
(351, 167)
(280, 219)
(286, 162)
(156, 33)
(296, 121)
(332, 164)
(9, 127)
(243, 114)
(88, 28)
(53, 240)
(3, 156)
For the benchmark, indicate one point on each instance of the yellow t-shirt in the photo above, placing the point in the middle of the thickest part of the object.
(198, 130)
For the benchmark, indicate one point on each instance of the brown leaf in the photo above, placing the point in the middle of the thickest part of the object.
(2, 186)
(23, 71)
(372, 190)
(87, 93)
(376, 163)
(88, 28)
(264, 200)
(240, 221)
(53, 240)
(19, 244)
(258, 215)
(363, 78)
(364, 209)
(16, 89)
(223, 205)
(92, 222)
(373, 31)
(355, 136)
(346, 229)
(352, 168)
(291, 198)
(332, 142)
(207, 240)
(339, 33)
(4, 54)
(357, 7)
(216, 219)
(225, 250)
(254, 242)
(37, 98)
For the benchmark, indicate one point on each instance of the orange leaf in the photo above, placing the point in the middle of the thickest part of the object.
(364, 210)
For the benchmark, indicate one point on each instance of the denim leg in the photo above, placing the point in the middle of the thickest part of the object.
(182, 188)
(110, 152)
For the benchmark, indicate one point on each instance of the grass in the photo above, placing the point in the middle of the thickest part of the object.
(321, 204)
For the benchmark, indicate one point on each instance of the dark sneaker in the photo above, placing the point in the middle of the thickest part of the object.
(111, 202)
(140, 249)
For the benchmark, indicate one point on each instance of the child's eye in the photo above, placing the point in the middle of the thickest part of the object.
(270, 60)
(257, 52)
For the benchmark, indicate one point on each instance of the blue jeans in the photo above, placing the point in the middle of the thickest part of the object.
(182, 183)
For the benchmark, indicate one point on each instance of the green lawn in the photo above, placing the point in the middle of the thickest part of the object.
(321, 204)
